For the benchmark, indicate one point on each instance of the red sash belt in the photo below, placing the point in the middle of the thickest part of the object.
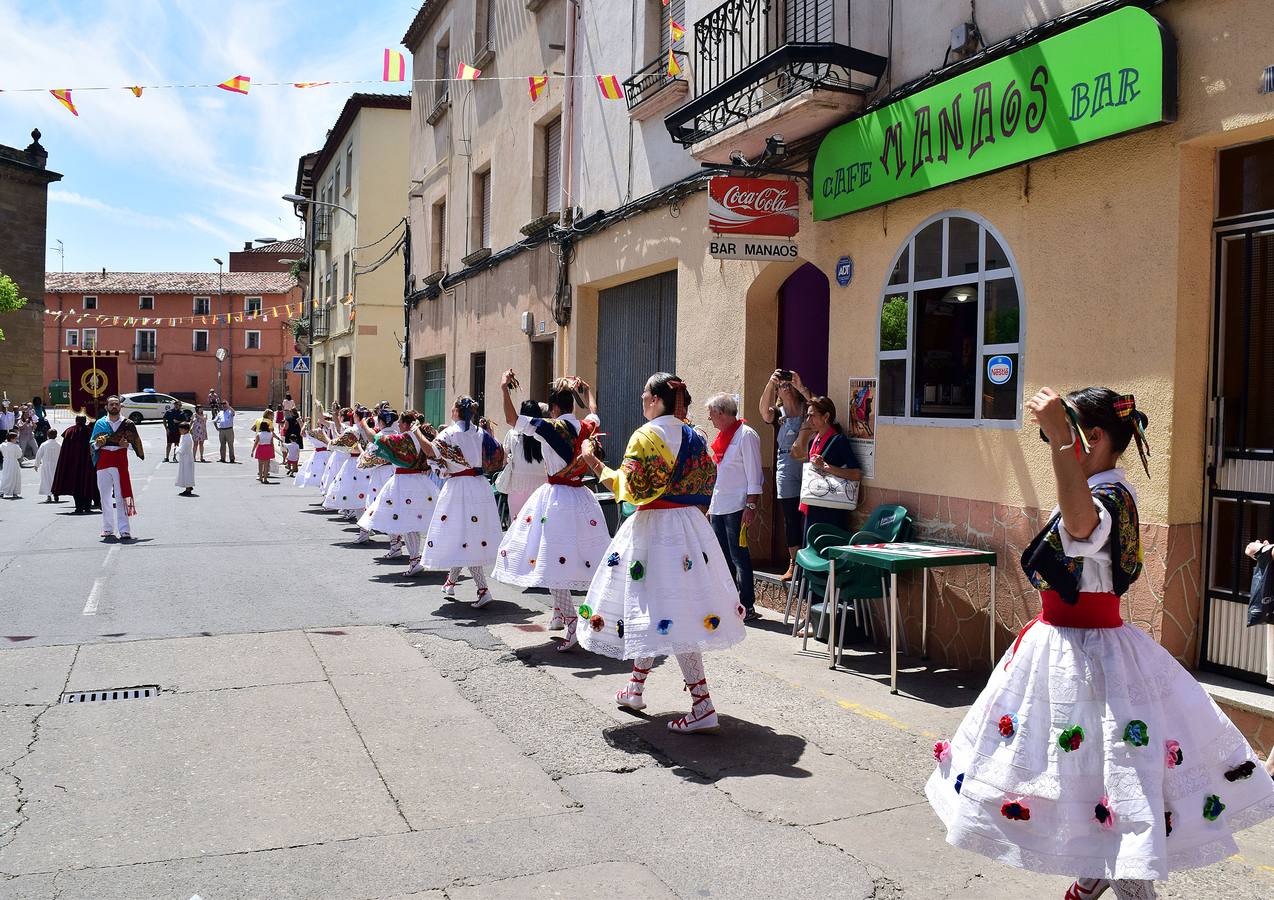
(1094, 610)
(320, 449)
(398, 471)
(466, 473)
(565, 482)
(662, 504)
(118, 459)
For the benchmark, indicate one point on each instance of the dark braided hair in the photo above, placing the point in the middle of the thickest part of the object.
(671, 391)
(467, 408)
(532, 452)
(1116, 415)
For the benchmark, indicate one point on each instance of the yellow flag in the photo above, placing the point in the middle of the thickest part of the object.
(673, 69)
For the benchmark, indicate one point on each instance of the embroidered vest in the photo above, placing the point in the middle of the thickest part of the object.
(1050, 569)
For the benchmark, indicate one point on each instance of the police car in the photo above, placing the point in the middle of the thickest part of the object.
(145, 406)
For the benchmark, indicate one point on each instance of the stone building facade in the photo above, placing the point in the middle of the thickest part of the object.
(24, 190)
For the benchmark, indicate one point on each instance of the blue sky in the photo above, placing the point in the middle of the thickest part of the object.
(169, 181)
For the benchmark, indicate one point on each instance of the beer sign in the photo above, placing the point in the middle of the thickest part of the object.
(753, 206)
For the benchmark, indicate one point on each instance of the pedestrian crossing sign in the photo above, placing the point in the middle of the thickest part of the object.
(301, 365)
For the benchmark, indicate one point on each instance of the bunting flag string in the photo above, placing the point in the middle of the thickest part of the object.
(673, 69)
(536, 85)
(609, 85)
(395, 66)
(675, 31)
(137, 91)
(466, 72)
(239, 84)
(289, 310)
(64, 97)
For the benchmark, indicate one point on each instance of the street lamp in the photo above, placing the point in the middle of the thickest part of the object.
(297, 198)
(221, 352)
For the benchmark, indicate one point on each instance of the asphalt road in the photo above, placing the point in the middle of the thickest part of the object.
(237, 557)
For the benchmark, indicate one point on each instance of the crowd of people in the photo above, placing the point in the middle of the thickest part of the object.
(1090, 751)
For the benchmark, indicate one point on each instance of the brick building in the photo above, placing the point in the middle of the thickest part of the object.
(24, 186)
(275, 256)
(134, 312)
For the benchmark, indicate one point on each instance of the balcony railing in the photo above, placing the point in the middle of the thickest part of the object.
(319, 321)
(322, 225)
(143, 354)
(751, 55)
(649, 82)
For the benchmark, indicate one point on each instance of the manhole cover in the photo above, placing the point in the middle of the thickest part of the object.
(140, 692)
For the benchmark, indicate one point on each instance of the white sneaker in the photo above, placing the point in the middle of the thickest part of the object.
(449, 589)
(484, 597)
(363, 537)
(557, 623)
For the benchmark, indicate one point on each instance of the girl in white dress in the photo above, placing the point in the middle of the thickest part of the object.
(348, 487)
(11, 472)
(664, 588)
(404, 506)
(312, 472)
(465, 529)
(557, 539)
(186, 460)
(1091, 751)
(46, 463)
(523, 470)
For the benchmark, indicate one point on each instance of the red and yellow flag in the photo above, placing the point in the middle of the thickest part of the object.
(64, 97)
(395, 68)
(610, 88)
(137, 90)
(675, 30)
(309, 84)
(536, 85)
(239, 84)
(673, 69)
(466, 72)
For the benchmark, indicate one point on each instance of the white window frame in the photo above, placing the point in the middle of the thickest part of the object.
(194, 340)
(141, 301)
(87, 304)
(248, 303)
(247, 340)
(137, 333)
(207, 311)
(72, 337)
(349, 167)
(909, 287)
(87, 343)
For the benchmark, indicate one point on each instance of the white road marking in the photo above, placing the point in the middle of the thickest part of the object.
(90, 607)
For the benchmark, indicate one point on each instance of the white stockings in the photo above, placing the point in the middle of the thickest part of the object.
(1124, 889)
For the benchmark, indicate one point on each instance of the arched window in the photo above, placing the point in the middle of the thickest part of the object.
(949, 348)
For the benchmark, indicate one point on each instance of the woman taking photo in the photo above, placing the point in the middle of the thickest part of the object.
(663, 587)
(823, 444)
(783, 405)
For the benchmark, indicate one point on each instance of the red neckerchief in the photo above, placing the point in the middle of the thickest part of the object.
(721, 443)
(822, 441)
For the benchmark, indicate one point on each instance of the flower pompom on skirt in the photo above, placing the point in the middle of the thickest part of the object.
(557, 540)
(465, 528)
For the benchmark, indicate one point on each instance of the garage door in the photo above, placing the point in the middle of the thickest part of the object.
(636, 337)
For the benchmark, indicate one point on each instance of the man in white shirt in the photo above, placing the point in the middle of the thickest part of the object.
(112, 436)
(8, 419)
(737, 451)
(224, 420)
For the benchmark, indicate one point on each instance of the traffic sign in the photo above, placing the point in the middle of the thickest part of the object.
(301, 365)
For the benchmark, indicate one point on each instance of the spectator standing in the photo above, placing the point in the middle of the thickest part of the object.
(737, 452)
(224, 421)
(26, 432)
(41, 420)
(173, 418)
(199, 431)
(822, 443)
(783, 404)
(7, 416)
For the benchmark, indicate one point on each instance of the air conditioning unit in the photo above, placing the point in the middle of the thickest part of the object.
(528, 324)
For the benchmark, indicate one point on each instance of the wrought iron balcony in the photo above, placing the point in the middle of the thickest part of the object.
(321, 225)
(652, 90)
(319, 322)
(753, 55)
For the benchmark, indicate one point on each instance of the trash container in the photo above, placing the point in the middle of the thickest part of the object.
(59, 393)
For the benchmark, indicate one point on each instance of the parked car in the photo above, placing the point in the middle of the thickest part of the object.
(146, 406)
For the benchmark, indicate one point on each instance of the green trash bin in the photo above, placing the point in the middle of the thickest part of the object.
(59, 393)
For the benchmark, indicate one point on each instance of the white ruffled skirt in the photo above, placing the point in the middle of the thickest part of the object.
(465, 528)
(311, 473)
(663, 588)
(336, 457)
(405, 504)
(557, 540)
(377, 478)
(1155, 752)
(348, 489)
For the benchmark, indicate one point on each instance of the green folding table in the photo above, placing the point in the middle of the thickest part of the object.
(908, 557)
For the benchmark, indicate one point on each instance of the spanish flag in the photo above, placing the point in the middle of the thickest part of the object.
(673, 69)
(239, 84)
(466, 72)
(309, 84)
(64, 97)
(137, 90)
(610, 88)
(676, 30)
(395, 68)
(536, 86)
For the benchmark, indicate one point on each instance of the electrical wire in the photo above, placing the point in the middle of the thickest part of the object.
(399, 224)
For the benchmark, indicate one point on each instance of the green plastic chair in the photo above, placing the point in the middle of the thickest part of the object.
(811, 565)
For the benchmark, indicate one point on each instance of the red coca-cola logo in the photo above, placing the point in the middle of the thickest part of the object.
(761, 206)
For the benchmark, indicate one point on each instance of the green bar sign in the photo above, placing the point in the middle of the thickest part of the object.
(1106, 77)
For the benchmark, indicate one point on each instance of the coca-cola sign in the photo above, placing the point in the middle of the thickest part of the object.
(753, 206)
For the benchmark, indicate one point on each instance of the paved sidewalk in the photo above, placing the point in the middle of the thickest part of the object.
(374, 762)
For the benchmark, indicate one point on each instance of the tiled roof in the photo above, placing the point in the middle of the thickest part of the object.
(292, 245)
(168, 282)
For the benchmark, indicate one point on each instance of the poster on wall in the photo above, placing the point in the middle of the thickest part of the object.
(862, 422)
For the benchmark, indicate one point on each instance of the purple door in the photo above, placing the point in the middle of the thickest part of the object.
(804, 313)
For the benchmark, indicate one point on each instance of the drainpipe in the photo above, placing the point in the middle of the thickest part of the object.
(566, 201)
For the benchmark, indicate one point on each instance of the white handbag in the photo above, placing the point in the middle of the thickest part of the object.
(824, 489)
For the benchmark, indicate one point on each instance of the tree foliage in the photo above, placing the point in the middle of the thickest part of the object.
(893, 323)
(11, 298)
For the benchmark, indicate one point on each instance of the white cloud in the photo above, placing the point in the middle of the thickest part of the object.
(71, 198)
